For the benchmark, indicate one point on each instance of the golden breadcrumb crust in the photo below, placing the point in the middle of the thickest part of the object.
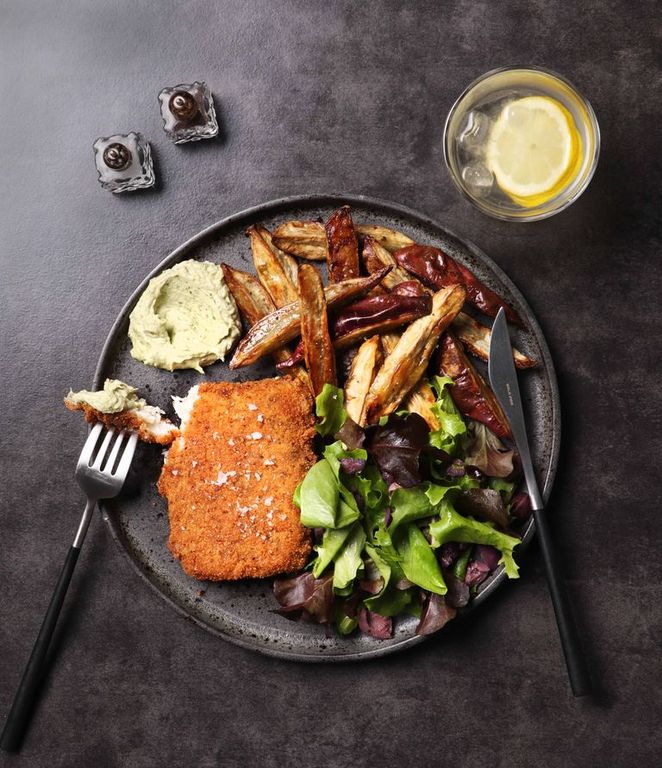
(230, 478)
(123, 420)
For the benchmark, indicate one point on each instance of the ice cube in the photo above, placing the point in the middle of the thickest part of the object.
(474, 131)
(124, 162)
(188, 112)
(478, 179)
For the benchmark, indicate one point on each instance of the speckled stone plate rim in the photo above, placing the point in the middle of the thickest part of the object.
(283, 206)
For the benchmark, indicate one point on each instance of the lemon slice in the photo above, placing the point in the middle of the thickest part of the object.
(533, 149)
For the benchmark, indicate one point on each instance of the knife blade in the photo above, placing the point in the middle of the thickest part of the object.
(503, 380)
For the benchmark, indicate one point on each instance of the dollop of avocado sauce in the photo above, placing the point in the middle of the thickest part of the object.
(116, 396)
(185, 318)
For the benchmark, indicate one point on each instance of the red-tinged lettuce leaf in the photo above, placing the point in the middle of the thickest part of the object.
(484, 561)
(449, 553)
(351, 434)
(484, 450)
(520, 506)
(436, 614)
(396, 448)
(371, 623)
(458, 591)
(483, 503)
(305, 597)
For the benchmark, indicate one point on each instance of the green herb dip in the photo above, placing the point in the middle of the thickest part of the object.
(116, 396)
(185, 318)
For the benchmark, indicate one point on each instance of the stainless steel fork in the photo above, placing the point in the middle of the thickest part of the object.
(101, 471)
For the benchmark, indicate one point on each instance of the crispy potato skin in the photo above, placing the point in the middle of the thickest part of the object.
(367, 360)
(476, 338)
(317, 347)
(270, 271)
(251, 297)
(255, 303)
(229, 493)
(471, 393)
(473, 334)
(312, 233)
(390, 239)
(376, 257)
(305, 239)
(406, 364)
(342, 246)
(289, 264)
(437, 269)
(284, 324)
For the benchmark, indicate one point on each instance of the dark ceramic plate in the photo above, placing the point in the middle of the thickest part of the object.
(243, 612)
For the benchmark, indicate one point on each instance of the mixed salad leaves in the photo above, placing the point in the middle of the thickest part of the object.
(405, 519)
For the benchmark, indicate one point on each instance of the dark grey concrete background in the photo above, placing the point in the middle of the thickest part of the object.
(328, 97)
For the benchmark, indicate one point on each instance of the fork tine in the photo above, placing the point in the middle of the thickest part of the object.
(116, 449)
(127, 457)
(91, 441)
(104, 447)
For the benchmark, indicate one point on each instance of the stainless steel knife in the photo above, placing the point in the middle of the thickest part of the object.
(503, 379)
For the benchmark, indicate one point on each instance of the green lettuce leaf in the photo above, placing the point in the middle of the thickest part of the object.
(383, 545)
(348, 563)
(505, 488)
(332, 542)
(317, 496)
(452, 424)
(452, 526)
(409, 504)
(371, 489)
(346, 624)
(419, 562)
(389, 601)
(323, 499)
(330, 410)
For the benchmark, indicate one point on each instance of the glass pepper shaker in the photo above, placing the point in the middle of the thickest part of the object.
(124, 162)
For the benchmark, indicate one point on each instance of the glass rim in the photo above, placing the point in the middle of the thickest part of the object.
(503, 216)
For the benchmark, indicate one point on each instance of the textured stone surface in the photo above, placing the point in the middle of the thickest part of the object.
(327, 97)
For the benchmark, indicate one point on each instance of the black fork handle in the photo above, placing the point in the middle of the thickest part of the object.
(19, 715)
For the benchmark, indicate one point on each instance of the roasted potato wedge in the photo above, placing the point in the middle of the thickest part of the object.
(317, 347)
(473, 334)
(254, 303)
(342, 246)
(311, 233)
(436, 269)
(421, 398)
(476, 338)
(270, 271)
(470, 392)
(390, 239)
(404, 367)
(284, 324)
(305, 239)
(376, 257)
(365, 364)
(252, 299)
(289, 264)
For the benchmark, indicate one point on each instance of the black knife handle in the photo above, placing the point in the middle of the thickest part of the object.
(580, 680)
(19, 715)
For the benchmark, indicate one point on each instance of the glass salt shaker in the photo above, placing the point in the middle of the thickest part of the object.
(188, 112)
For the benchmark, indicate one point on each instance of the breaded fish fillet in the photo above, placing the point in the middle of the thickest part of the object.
(148, 422)
(230, 477)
